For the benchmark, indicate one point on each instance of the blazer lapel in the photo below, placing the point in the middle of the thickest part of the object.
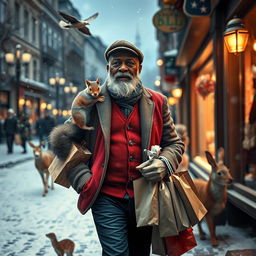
(146, 119)
(104, 113)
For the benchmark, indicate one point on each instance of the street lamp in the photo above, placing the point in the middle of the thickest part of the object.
(57, 81)
(70, 89)
(18, 58)
(236, 36)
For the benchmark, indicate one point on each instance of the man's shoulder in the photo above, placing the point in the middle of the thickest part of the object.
(154, 94)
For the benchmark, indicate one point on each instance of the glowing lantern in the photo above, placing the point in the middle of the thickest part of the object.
(172, 101)
(236, 36)
(177, 93)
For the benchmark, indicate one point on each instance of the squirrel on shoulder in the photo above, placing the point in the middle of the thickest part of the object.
(81, 106)
(73, 130)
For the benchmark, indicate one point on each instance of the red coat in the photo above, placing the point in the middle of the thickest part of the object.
(156, 129)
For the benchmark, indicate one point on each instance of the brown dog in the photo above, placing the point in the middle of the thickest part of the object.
(213, 193)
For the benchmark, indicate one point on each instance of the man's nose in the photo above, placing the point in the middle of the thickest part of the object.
(123, 68)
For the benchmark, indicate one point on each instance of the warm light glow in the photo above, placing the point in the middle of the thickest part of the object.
(26, 57)
(28, 103)
(64, 112)
(236, 41)
(169, 2)
(177, 92)
(43, 105)
(62, 81)
(21, 102)
(55, 111)
(74, 89)
(159, 62)
(67, 89)
(254, 46)
(172, 101)
(69, 112)
(157, 83)
(49, 106)
(52, 81)
(9, 58)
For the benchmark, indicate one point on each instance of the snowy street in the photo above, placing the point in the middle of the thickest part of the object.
(26, 217)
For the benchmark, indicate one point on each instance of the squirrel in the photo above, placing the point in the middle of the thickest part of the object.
(83, 102)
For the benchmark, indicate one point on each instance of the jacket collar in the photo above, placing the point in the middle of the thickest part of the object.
(146, 107)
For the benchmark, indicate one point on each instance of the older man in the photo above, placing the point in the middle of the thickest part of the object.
(131, 119)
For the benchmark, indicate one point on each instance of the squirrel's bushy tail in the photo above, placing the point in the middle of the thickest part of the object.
(62, 137)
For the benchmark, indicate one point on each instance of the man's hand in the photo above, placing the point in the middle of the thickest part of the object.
(153, 170)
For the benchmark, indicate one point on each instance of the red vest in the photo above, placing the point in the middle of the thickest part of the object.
(125, 153)
(93, 185)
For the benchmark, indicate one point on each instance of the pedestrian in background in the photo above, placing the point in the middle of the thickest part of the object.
(24, 129)
(40, 129)
(10, 128)
(48, 124)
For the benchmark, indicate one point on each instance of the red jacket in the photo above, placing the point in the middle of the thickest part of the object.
(156, 129)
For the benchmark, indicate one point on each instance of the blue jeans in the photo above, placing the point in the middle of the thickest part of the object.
(115, 222)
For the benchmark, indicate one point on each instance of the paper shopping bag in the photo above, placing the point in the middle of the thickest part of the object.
(181, 216)
(167, 218)
(194, 207)
(59, 168)
(17, 139)
(178, 245)
(146, 202)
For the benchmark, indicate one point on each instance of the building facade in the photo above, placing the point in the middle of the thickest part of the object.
(218, 99)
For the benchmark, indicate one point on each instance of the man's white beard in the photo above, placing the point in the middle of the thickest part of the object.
(122, 88)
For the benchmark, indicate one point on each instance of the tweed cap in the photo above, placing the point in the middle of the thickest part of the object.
(123, 45)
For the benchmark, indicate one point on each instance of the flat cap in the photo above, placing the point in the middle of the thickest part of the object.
(123, 45)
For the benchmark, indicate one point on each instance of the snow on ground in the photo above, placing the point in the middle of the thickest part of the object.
(26, 216)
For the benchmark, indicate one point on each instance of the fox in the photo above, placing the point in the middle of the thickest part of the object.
(213, 193)
(83, 102)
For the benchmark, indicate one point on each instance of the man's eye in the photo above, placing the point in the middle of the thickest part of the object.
(130, 63)
(115, 64)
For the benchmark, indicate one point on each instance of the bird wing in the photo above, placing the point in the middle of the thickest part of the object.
(85, 30)
(94, 16)
(63, 24)
(69, 18)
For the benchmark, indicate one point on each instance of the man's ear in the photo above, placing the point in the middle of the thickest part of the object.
(140, 68)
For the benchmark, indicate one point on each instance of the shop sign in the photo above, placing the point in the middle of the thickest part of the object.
(169, 20)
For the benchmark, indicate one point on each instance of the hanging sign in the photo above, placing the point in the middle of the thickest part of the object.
(169, 20)
(197, 7)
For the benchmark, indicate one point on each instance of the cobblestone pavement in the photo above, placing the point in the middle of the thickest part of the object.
(26, 216)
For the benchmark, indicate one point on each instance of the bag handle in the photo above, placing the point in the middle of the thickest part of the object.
(166, 161)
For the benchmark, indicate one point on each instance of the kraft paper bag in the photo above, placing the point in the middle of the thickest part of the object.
(181, 216)
(59, 168)
(158, 244)
(17, 139)
(167, 218)
(194, 207)
(146, 202)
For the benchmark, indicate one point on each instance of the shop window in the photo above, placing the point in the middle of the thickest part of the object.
(204, 135)
(249, 141)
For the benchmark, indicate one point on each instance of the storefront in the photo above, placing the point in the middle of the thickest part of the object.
(218, 104)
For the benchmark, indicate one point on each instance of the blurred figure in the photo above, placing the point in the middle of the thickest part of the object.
(10, 128)
(48, 124)
(40, 129)
(24, 129)
(183, 134)
(1, 129)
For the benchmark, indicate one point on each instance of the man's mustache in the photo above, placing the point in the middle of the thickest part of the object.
(123, 74)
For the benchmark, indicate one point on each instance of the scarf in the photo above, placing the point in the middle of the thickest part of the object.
(126, 104)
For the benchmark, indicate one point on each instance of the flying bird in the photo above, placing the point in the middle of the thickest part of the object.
(75, 23)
